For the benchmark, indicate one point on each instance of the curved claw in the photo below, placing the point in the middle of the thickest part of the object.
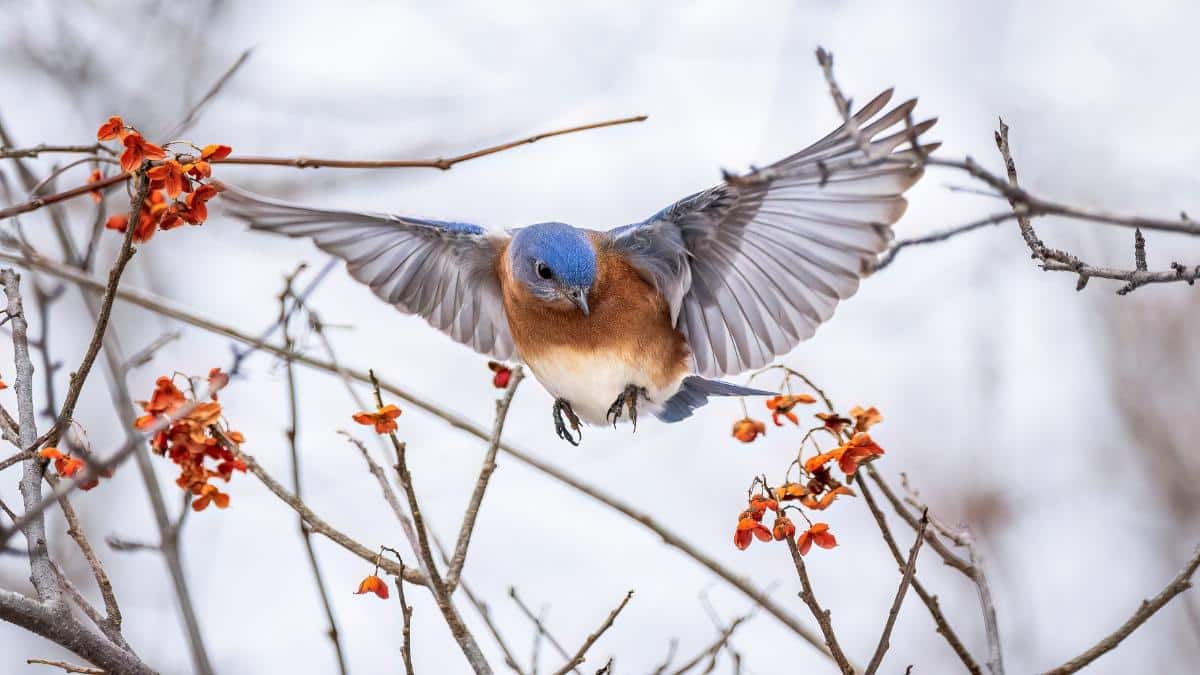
(560, 427)
(627, 399)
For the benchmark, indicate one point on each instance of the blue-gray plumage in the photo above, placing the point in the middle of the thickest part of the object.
(715, 284)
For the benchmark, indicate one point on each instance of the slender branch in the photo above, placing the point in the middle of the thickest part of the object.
(581, 655)
(485, 474)
(710, 651)
(293, 434)
(821, 615)
(78, 378)
(930, 600)
(33, 526)
(318, 525)
(910, 569)
(60, 627)
(111, 623)
(942, 235)
(307, 162)
(67, 667)
(972, 568)
(193, 113)
(539, 626)
(1179, 584)
(167, 308)
(20, 153)
(439, 163)
(406, 633)
(462, 635)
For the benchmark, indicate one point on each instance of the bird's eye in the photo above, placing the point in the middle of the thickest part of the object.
(543, 271)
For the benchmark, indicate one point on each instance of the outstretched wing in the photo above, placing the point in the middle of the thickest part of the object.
(752, 267)
(442, 271)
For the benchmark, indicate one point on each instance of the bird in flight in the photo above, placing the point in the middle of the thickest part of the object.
(647, 315)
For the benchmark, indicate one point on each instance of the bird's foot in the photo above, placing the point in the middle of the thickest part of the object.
(560, 427)
(627, 399)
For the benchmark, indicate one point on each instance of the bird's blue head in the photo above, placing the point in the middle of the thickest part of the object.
(555, 261)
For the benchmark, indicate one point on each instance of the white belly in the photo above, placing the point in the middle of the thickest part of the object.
(591, 382)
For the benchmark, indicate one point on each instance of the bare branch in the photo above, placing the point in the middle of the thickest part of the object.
(710, 651)
(539, 627)
(458, 629)
(1179, 584)
(906, 578)
(25, 153)
(930, 600)
(306, 162)
(485, 474)
(406, 633)
(972, 568)
(67, 667)
(293, 433)
(32, 523)
(193, 113)
(821, 615)
(581, 655)
(318, 525)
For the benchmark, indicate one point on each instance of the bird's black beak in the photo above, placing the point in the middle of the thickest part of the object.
(579, 297)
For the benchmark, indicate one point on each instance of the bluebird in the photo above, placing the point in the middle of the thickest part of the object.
(645, 316)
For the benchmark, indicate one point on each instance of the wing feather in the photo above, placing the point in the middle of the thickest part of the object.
(443, 271)
(767, 256)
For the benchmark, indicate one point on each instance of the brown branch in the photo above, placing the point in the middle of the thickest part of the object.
(825, 60)
(930, 600)
(213, 91)
(822, 616)
(406, 633)
(309, 162)
(581, 655)
(166, 308)
(972, 568)
(910, 568)
(111, 622)
(462, 635)
(1179, 584)
(709, 651)
(67, 667)
(318, 525)
(14, 459)
(539, 627)
(293, 434)
(485, 474)
(24, 153)
(942, 235)
(75, 387)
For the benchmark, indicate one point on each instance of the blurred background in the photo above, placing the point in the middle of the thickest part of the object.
(1059, 425)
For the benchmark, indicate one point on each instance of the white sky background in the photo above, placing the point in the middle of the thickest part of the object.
(994, 378)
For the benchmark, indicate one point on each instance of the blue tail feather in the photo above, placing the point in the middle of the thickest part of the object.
(694, 393)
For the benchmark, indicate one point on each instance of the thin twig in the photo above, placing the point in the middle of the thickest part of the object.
(1179, 584)
(19, 153)
(485, 474)
(538, 625)
(821, 615)
(972, 568)
(406, 633)
(307, 162)
(318, 525)
(194, 112)
(581, 655)
(67, 667)
(930, 600)
(462, 635)
(711, 650)
(292, 433)
(75, 387)
(910, 568)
